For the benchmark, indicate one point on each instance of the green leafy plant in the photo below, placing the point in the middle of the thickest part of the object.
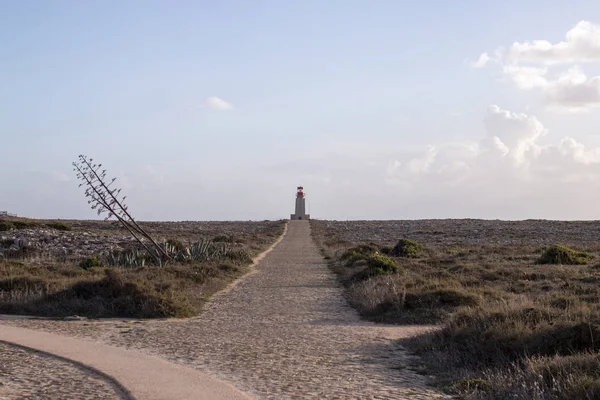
(380, 264)
(407, 248)
(90, 263)
(559, 254)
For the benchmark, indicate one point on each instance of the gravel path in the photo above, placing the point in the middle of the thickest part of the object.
(25, 374)
(283, 332)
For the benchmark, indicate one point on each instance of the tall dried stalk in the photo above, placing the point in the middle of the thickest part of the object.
(105, 199)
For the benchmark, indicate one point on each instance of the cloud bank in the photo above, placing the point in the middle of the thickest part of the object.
(540, 65)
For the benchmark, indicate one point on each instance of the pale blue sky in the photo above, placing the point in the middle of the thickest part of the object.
(328, 94)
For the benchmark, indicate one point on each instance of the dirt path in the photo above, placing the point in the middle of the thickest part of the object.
(25, 374)
(284, 332)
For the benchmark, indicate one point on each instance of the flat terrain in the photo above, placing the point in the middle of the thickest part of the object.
(283, 332)
(517, 302)
(94, 238)
(25, 374)
(97, 269)
(465, 231)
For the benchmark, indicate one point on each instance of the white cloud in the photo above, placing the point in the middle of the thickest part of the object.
(574, 91)
(515, 132)
(216, 103)
(526, 77)
(482, 61)
(510, 154)
(582, 44)
(569, 90)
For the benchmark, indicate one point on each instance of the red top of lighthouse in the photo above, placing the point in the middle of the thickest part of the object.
(300, 192)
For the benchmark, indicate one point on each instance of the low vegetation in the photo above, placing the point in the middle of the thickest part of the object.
(558, 254)
(518, 319)
(407, 248)
(23, 223)
(59, 226)
(129, 282)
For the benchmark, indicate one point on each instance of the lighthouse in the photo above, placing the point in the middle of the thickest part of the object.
(300, 205)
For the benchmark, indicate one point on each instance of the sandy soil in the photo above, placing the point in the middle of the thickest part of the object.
(25, 374)
(283, 332)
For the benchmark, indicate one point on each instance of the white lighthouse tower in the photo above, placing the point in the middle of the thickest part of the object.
(300, 205)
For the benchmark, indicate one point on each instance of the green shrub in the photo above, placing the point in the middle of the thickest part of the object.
(6, 226)
(89, 263)
(59, 226)
(25, 224)
(559, 254)
(407, 248)
(358, 253)
(378, 264)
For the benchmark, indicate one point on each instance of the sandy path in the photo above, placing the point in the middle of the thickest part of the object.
(29, 375)
(284, 332)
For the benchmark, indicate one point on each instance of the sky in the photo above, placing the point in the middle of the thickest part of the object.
(383, 109)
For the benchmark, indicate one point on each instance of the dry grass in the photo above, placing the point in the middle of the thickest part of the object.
(511, 328)
(36, 283)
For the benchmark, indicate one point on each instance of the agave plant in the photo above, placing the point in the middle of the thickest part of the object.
(133, 258)
(202, 250)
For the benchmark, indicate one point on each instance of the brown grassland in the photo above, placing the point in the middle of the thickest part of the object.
(61, 268)
(517, 303)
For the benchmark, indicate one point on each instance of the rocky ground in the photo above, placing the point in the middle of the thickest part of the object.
(465, 231)
(89, 238)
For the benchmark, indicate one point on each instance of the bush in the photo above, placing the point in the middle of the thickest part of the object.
(481, 338)
(59, 226)
(357, 253)
(382, 262)
(407, 248)
(377, 264)
(89, 263)
(25, 224)
(559, 254)
(111, 296)
(6, 226)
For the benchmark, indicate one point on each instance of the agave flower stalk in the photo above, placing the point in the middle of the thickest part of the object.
(103, 198)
